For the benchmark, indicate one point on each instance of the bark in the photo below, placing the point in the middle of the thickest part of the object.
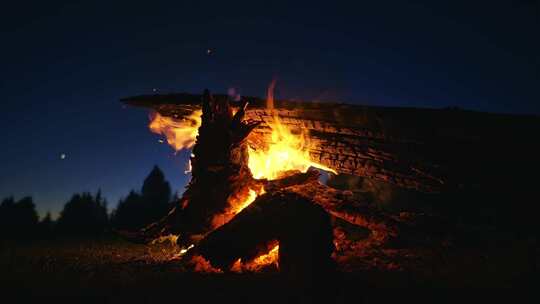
(429, 150)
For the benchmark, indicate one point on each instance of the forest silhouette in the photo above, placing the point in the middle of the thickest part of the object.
(86, 214)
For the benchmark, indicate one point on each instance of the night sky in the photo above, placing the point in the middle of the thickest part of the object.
(65, 65)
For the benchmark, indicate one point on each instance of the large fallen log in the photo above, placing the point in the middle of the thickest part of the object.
(424, 149)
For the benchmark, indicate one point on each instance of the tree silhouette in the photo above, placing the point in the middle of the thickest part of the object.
(46, 226)
(139, 210)
(156, 195)
(128, 213)
(18, 219)
(83, 214)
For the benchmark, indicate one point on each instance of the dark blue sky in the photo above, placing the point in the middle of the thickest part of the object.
(65, 65)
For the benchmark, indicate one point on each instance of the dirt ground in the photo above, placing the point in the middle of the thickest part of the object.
(112, 270)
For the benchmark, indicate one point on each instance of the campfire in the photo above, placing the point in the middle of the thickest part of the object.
(255, 200)
(284, 154)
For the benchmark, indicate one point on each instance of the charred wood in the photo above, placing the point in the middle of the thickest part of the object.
(430, 150)
(302, 228)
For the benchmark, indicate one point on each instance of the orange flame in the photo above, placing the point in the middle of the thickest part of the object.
(259, 262)
(236, 204)
(286, 151)
(180, 134)
(266, 259)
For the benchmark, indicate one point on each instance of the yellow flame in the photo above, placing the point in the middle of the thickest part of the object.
(251, 197)
(265, 259)
(286, 151)
(180, 134)
(271, 257)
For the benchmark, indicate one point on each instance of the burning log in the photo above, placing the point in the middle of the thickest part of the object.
(429, 150)
(222, 185)
(226, 218)
(341, 205)
(344, 138)
(301, 227)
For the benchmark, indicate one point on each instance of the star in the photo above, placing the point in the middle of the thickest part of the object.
(62, 156)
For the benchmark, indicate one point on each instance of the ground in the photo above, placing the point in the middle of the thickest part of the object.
(112, 269)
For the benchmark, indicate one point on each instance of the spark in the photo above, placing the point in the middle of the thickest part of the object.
(185, 250)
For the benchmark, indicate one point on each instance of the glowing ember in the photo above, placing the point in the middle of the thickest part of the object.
(259, 262)
(165, 238)
(266, 259)
(236, 204)
(251, 197)
(180, 134)
(200, 264)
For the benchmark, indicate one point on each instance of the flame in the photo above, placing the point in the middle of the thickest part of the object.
(270, 95)
(236, 204)
(285, 152)
(266, 259)
(200, 264)
(171, 238)
(259, 262)
(252, 195)
(180, 134)
(249, 199)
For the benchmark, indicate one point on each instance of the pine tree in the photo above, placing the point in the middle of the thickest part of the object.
(83, 214)
(46, 225)
(138, 210)
(18, 219)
